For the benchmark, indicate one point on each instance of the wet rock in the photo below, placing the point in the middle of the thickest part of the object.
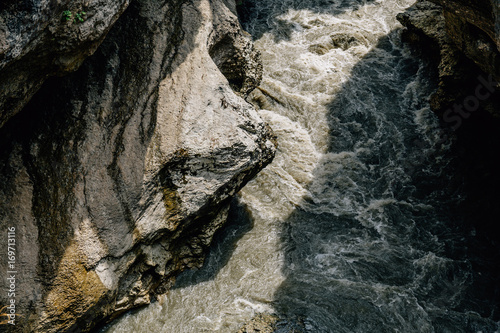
(473, 27)
(483, 15)
(345, 41)
(425, 28)
(320, 48)
(342, 41)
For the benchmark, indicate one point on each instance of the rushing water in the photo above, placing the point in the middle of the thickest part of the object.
(354, 227)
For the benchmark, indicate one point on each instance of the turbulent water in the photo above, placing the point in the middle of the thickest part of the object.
(354, 227)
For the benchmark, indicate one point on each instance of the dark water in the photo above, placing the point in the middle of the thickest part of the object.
(372, 218)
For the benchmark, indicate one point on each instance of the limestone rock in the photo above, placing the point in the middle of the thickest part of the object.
(42, 38)
(117, 176)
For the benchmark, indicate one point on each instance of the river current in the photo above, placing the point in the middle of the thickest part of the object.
(356, 226)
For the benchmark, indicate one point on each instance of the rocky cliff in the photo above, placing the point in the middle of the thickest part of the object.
(43, 38)
(463, 38)
(116, 176)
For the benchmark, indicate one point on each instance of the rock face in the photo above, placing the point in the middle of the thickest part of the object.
(463, 37)
(42, 38)
(474, 26)
(116, 176)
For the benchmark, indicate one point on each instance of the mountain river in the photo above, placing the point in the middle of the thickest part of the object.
(356, 226)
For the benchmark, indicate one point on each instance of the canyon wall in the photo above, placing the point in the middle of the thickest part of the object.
(42, 38)
(463, 39)
(116, 176)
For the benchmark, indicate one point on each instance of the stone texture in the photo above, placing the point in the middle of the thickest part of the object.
(37, 41)
(117, 176)
(482, 14)
(472, 28)
(458, 37)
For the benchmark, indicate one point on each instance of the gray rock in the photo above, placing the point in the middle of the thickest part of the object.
(117, 176)
(42, 38)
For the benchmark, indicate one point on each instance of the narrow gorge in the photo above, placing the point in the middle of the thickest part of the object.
(249, 166)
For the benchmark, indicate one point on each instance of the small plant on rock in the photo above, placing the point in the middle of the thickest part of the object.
(80, 17)
(67, 15)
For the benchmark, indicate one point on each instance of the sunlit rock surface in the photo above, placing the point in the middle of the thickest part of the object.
(117, 176)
